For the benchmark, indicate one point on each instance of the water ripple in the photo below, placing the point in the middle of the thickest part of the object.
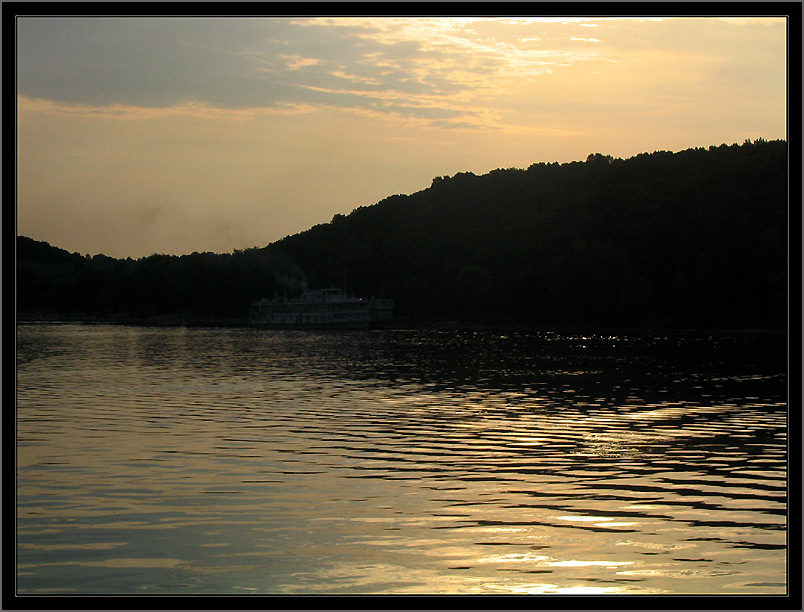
(394, 461)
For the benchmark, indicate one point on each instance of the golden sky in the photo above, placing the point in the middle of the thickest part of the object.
(173, 135)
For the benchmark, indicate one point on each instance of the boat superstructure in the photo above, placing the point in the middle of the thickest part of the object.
(325, 308)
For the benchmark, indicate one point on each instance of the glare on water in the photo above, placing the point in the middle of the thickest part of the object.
(178, 460)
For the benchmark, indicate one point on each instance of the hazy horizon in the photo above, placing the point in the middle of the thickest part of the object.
(158, 135)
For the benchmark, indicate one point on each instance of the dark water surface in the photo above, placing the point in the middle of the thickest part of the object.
(189, 461)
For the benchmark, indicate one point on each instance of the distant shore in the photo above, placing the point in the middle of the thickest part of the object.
(400, 324)
(148, 321)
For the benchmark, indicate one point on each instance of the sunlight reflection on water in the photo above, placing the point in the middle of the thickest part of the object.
(221, 461)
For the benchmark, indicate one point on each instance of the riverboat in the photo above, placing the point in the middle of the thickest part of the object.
(321, 308)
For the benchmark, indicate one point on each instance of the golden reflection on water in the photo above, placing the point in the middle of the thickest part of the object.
(576, 563)
(514, 557)
(586, 590)
(190, 458)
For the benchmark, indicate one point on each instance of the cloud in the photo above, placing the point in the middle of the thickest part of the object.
(448, 72)
(142, 61)
(150, 135)
(273, 63)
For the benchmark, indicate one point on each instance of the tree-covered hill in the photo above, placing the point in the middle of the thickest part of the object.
(694, 239)
(208, 287)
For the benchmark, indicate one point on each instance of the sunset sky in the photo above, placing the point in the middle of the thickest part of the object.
(173, 135)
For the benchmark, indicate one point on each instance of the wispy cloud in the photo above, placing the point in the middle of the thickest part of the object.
(417, 64)
(449, 72)
(139, 135)
(130, 112)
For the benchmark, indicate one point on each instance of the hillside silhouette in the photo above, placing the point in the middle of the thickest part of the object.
(693, 239)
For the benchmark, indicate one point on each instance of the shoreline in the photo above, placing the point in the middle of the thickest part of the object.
(400, 325)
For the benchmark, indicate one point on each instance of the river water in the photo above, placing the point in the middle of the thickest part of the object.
(240, 461)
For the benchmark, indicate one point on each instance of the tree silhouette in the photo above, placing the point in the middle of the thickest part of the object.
(691, 239)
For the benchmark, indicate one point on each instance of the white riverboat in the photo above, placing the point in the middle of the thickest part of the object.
(321, 308)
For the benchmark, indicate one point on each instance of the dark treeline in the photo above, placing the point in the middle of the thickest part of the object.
(695, 239)
(53, 283)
